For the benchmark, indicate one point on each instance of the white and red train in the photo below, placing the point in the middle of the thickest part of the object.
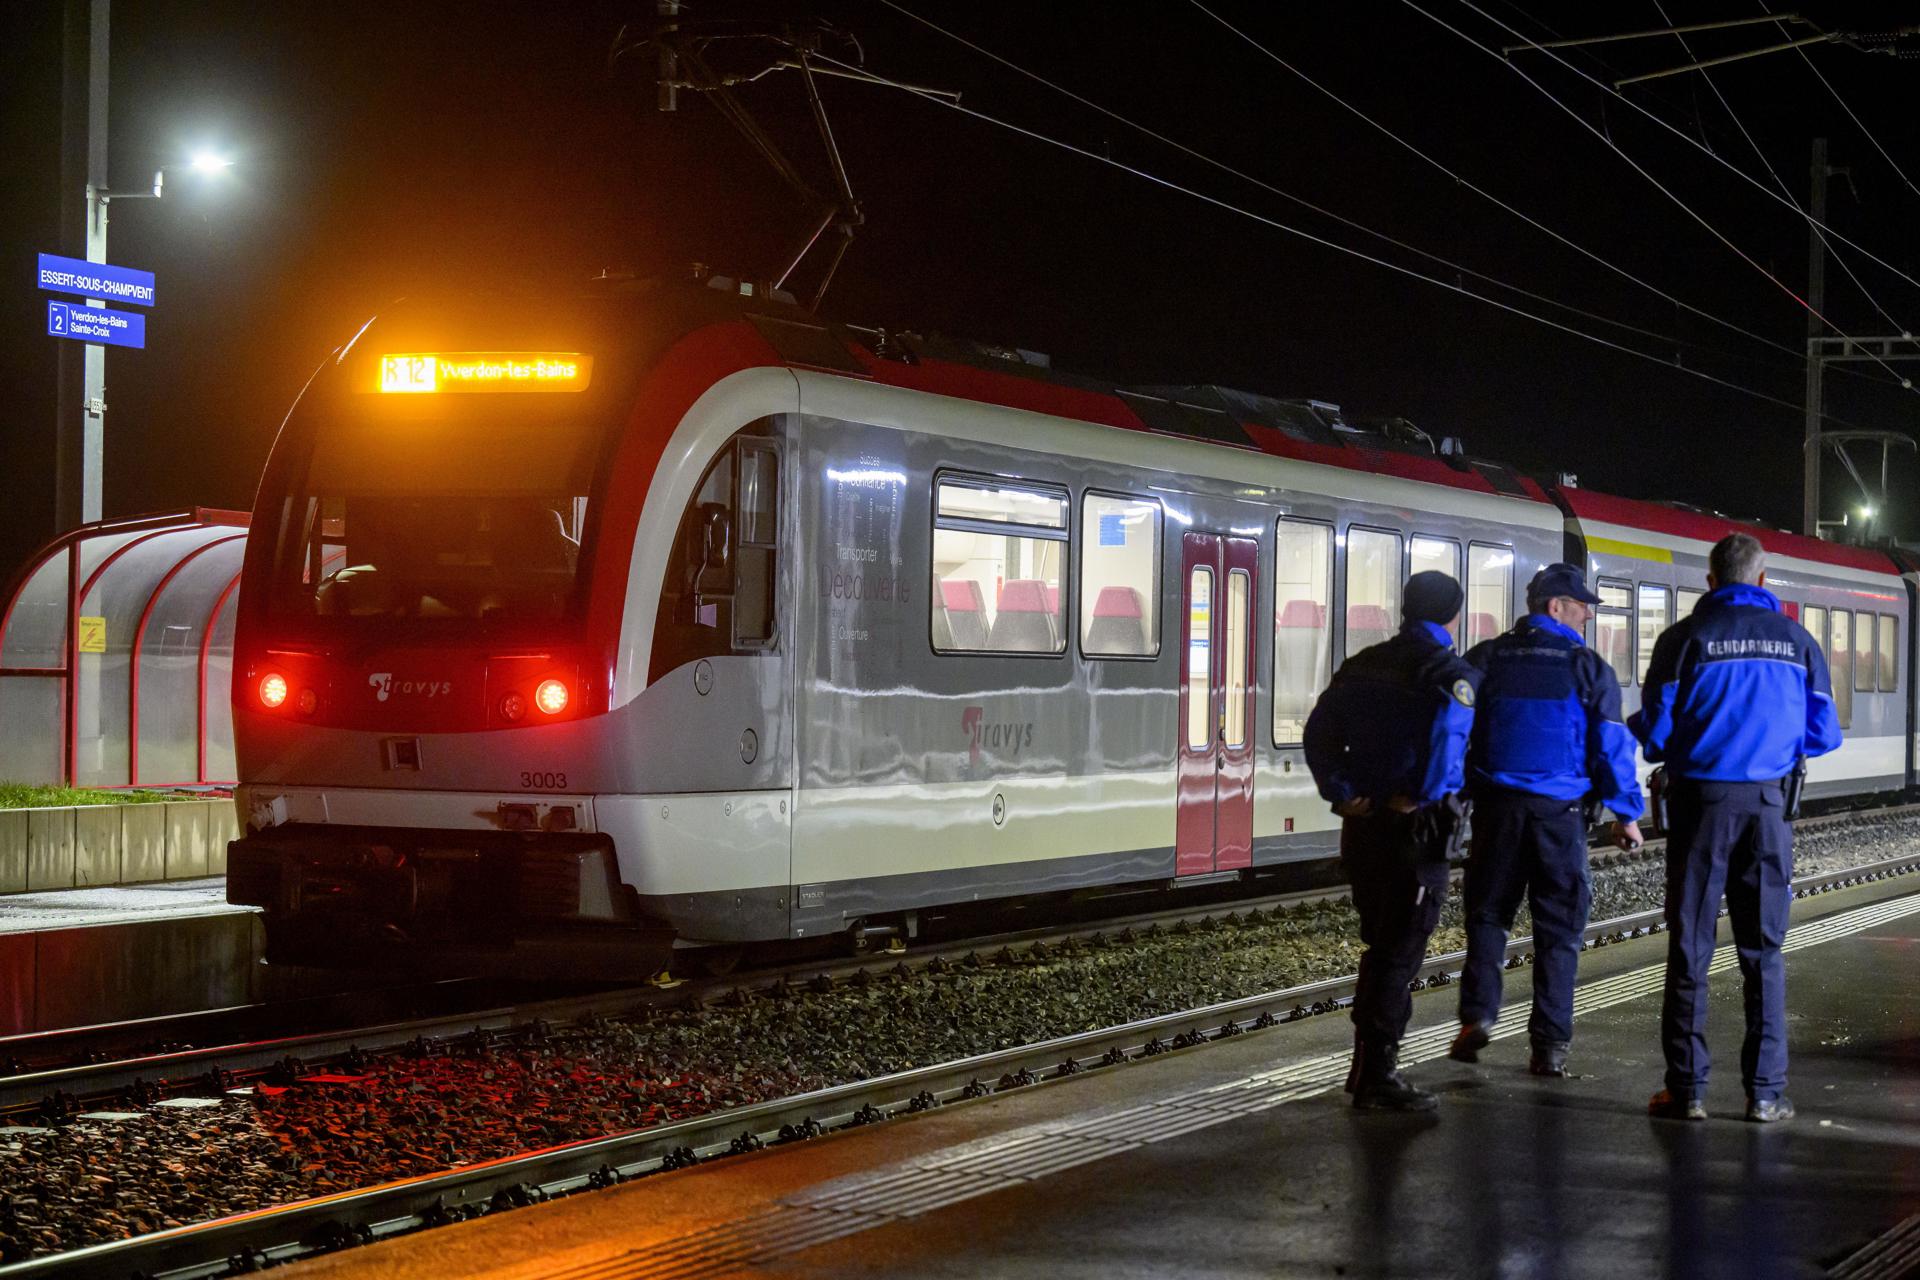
(572, 632)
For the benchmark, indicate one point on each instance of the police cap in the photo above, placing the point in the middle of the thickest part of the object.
(1558, 580)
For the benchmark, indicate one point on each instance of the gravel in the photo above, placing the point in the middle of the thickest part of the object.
(307, 1132)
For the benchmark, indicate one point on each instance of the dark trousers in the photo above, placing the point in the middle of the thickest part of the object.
(1398, 884)
(1729, 837)
(1525, 845)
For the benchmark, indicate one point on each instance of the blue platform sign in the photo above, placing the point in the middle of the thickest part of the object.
(96, 280)
(96, 324)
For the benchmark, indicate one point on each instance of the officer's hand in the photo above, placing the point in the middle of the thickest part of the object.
(1627, 835)
(1358, 807)
(1403, 804)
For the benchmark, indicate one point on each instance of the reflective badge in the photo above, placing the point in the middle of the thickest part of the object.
(1463, 693)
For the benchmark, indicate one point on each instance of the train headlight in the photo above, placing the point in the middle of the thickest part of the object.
(308, 702)
(273, 690)
(512, 707)
(551, 697)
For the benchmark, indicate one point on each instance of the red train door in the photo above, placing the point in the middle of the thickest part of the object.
(1213, 825)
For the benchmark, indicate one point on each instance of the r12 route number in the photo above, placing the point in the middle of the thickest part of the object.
(543, 781)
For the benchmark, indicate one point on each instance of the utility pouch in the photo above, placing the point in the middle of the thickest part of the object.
(1796, 785)
(1440, 830)
(1657, 786)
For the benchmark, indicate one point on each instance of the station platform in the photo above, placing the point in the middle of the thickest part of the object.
(1242, 1157)
(80, 957)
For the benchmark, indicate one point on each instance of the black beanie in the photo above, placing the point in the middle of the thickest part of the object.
(1432, 597)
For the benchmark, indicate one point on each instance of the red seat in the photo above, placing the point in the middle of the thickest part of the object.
(962, 616)
(1119, 624)
(1367, 624)
(1024, 622)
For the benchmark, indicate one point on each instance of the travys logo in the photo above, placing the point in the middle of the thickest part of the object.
(1010, 736)
(385, 686)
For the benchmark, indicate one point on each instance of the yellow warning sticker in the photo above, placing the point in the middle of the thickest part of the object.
(91, 636)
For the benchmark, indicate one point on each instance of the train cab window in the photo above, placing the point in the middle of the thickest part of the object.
(1613, 628)
(1889, 652)
(1689, 598)
(999, 562)
(1655, 613)
(1865, 670)
(1489, 591)
(1840, 663)
(1440, 555)
(1373, 587)
(719, 594)
(1119, 576)
(1302, 633)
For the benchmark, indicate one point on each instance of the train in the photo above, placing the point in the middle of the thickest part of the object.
(586, 635)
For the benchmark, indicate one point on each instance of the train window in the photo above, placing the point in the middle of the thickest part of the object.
(1654, 615)
(1302, 638)
(1373, 587)
(1840, 663)
(719, 592)
(1689, 597)
(1613, 627)
(999, 561)
(754, 532)
(1889, 653)
(1439, 555)
(1119, 576)
(1239, 593)
(1864, 668)
(1489, 591)
(1200, 658)
(1814, 619)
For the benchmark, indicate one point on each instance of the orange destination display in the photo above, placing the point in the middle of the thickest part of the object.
(488, 371)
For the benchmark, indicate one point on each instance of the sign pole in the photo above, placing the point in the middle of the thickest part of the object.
(79, 437)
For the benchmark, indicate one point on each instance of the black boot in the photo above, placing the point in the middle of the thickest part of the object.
(1378, 1085)
(1549, 1058)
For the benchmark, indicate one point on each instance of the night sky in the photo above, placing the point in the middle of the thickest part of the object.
(391, 149)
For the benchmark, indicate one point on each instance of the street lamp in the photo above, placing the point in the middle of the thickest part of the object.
(94, 373)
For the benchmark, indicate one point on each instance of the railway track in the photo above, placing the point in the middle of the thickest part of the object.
(52, 1071)
(246, 1241)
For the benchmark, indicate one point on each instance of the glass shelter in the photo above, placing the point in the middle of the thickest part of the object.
(116, 653)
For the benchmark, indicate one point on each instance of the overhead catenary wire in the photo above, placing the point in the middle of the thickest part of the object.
(1785, 190)
(1655, 182)
(1303, 202)
(1277, 224)
(1858, 122)
(1461, 179)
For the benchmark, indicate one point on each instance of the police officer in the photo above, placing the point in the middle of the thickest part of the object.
(1387, 746)
(1737, 698)
(1547, 739)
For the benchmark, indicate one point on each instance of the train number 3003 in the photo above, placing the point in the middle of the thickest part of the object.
(543, 781)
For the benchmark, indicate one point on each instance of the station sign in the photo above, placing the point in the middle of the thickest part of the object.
(96, 280)
(96, 324)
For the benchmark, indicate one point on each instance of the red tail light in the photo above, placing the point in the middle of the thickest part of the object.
(273, 690)
(551, 697)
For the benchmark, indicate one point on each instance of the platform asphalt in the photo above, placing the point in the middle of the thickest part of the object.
(1240, 1158)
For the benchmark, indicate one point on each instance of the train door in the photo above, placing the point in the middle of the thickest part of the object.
(1214, 770)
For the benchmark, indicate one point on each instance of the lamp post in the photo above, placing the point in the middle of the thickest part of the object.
(94, 372)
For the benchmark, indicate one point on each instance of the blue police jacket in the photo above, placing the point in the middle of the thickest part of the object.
(1737, 692)
(1394, 721)
(1548, 722)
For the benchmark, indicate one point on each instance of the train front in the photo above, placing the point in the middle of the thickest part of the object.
(422, 664)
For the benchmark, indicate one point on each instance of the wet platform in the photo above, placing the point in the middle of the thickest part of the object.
(79, 957)
(1241, 1158)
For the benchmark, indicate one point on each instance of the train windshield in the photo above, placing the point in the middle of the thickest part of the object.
(482, 522)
